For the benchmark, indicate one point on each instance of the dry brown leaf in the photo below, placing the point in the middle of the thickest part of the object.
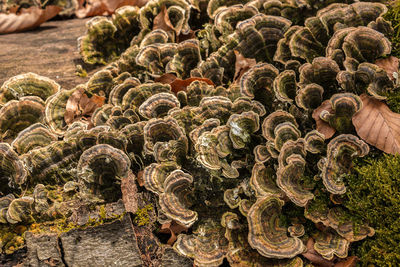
(112, 5)
(180, 85)
(322, 126)
(29, 18)
(140, 178)
(377, 125)
(161, 21)
(166, 78)
(242, 65)
(390, 65)
(80, 105)
(312, 255)
(72, 107)
(174, 229)
(183, 37)
(90, 8)
(347, 262)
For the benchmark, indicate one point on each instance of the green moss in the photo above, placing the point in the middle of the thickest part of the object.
(374, 195)
(142, 216)
(393, 100)
(102, 212)
(320, 203)
(393, 15)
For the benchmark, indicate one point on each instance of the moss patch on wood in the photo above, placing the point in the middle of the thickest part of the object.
(374, 196)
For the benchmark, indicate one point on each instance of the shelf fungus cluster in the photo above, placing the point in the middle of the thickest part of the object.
(236, 153)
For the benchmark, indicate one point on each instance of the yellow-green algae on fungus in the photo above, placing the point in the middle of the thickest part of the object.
(374, 197)
(61, 224)
(11, 238)
(142, 216)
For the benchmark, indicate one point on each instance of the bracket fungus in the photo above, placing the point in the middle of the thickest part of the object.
(259, 81)
(266, 234)
(289, 179)
(263, 180)
(155, 175)
(330, 244)
(175, 199)
(20, 210)
(273, 120)
(28, 84)
(340, 151)
(180, 107)
(158, 105)
(17, 115)
(12, 170)
(344, 106)
(161, 130)
(101, 167)
(207, 246)
(36, 135)
(241, 127)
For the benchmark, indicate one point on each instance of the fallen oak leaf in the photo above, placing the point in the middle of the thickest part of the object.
(242, 65)
(377, 125)
(140, 178)
(91, 104)
(180, 85)
(72, 107)
(162, 21)
(390, 65)
(112, 5)
(322, 126)
(177, 84)
(166, 78)
(174, 229)
(92, 8)
(183, 37)
(79, 105)
(29, 18)
(104, 7)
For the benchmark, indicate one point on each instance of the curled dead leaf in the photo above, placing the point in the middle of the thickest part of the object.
(79, 105)
(140, 178)
(112, 5)
(27, 19)
(162, 21)
(322, 126)
(242, 65)
(377, 125)
(179, 84)
(72, 107)
(390, 65)
(90, 8)
(174, 229)
(166, 78)
(183, 37)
